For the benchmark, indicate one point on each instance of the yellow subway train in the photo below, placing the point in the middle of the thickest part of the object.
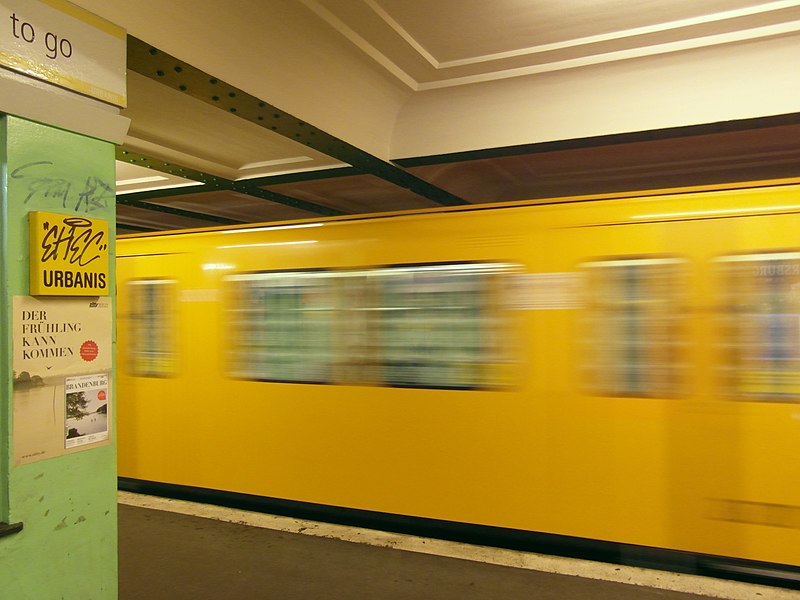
(621, 370)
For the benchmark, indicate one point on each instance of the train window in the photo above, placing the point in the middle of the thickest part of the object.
(282, 325)
(152, 335)
(438, 325)
(412, 326)
(634, 328)
(761, 326)
(358, 349)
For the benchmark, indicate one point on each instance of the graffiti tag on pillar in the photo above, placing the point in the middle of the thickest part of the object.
(40, 181)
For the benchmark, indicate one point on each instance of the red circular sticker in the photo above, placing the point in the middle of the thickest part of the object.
(101, 395)
(89, 350)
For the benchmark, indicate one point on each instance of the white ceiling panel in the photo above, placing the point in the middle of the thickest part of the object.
(176, 127)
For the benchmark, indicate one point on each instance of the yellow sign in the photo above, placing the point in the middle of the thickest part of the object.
(68, 254)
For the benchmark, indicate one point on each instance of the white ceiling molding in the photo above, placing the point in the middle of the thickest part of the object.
(584, 41)
(722, 27)
(133, 178)
(140, 180)
(146, 188)
(368, 49)
(401, 31)
(245, 176)
(277, 162)
(608, 57)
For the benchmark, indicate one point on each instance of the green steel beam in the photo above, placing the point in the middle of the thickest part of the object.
(146, 195)
(211, 183)
(332, 173)
(126, 200)
(134, 158)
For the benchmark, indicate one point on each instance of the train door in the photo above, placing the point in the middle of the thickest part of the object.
(149, 358)
(680, 396)
(750, 505)
(623, 397)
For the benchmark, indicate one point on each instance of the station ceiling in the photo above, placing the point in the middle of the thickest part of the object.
(211, 143)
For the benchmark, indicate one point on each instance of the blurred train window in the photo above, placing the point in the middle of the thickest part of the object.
(761, 325)
(152, 334)
(358, 350)
(434, 326)
(438, 325)
(634, 329)
(282, 324)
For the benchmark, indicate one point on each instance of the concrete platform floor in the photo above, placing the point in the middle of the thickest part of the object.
(167, 555)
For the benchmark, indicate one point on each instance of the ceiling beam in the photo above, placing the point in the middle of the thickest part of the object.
(302, 176)
(185, 78)
(135, 228)
(211, 183)
(127, 201)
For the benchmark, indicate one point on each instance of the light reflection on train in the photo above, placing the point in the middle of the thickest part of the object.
(616, 369)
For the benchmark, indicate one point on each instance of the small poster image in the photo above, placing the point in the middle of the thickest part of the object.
(87, 406)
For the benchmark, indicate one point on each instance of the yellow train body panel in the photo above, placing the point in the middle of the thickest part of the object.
(683, 436)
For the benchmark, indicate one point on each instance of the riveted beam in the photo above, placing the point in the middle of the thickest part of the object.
(138, 199)
(183, 77)
(146, 195)
(126, 200)
(141, 160)
(254, 190)
(211, 183)
(332, 173)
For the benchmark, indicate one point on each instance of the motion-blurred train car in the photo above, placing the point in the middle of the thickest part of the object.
(621, 370)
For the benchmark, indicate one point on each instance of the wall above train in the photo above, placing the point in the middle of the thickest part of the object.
(675, 89)
(291, 109)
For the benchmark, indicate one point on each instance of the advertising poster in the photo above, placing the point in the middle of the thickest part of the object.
(86, 409)
(62, 360)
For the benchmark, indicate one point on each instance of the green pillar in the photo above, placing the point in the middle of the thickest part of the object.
(64, 497)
